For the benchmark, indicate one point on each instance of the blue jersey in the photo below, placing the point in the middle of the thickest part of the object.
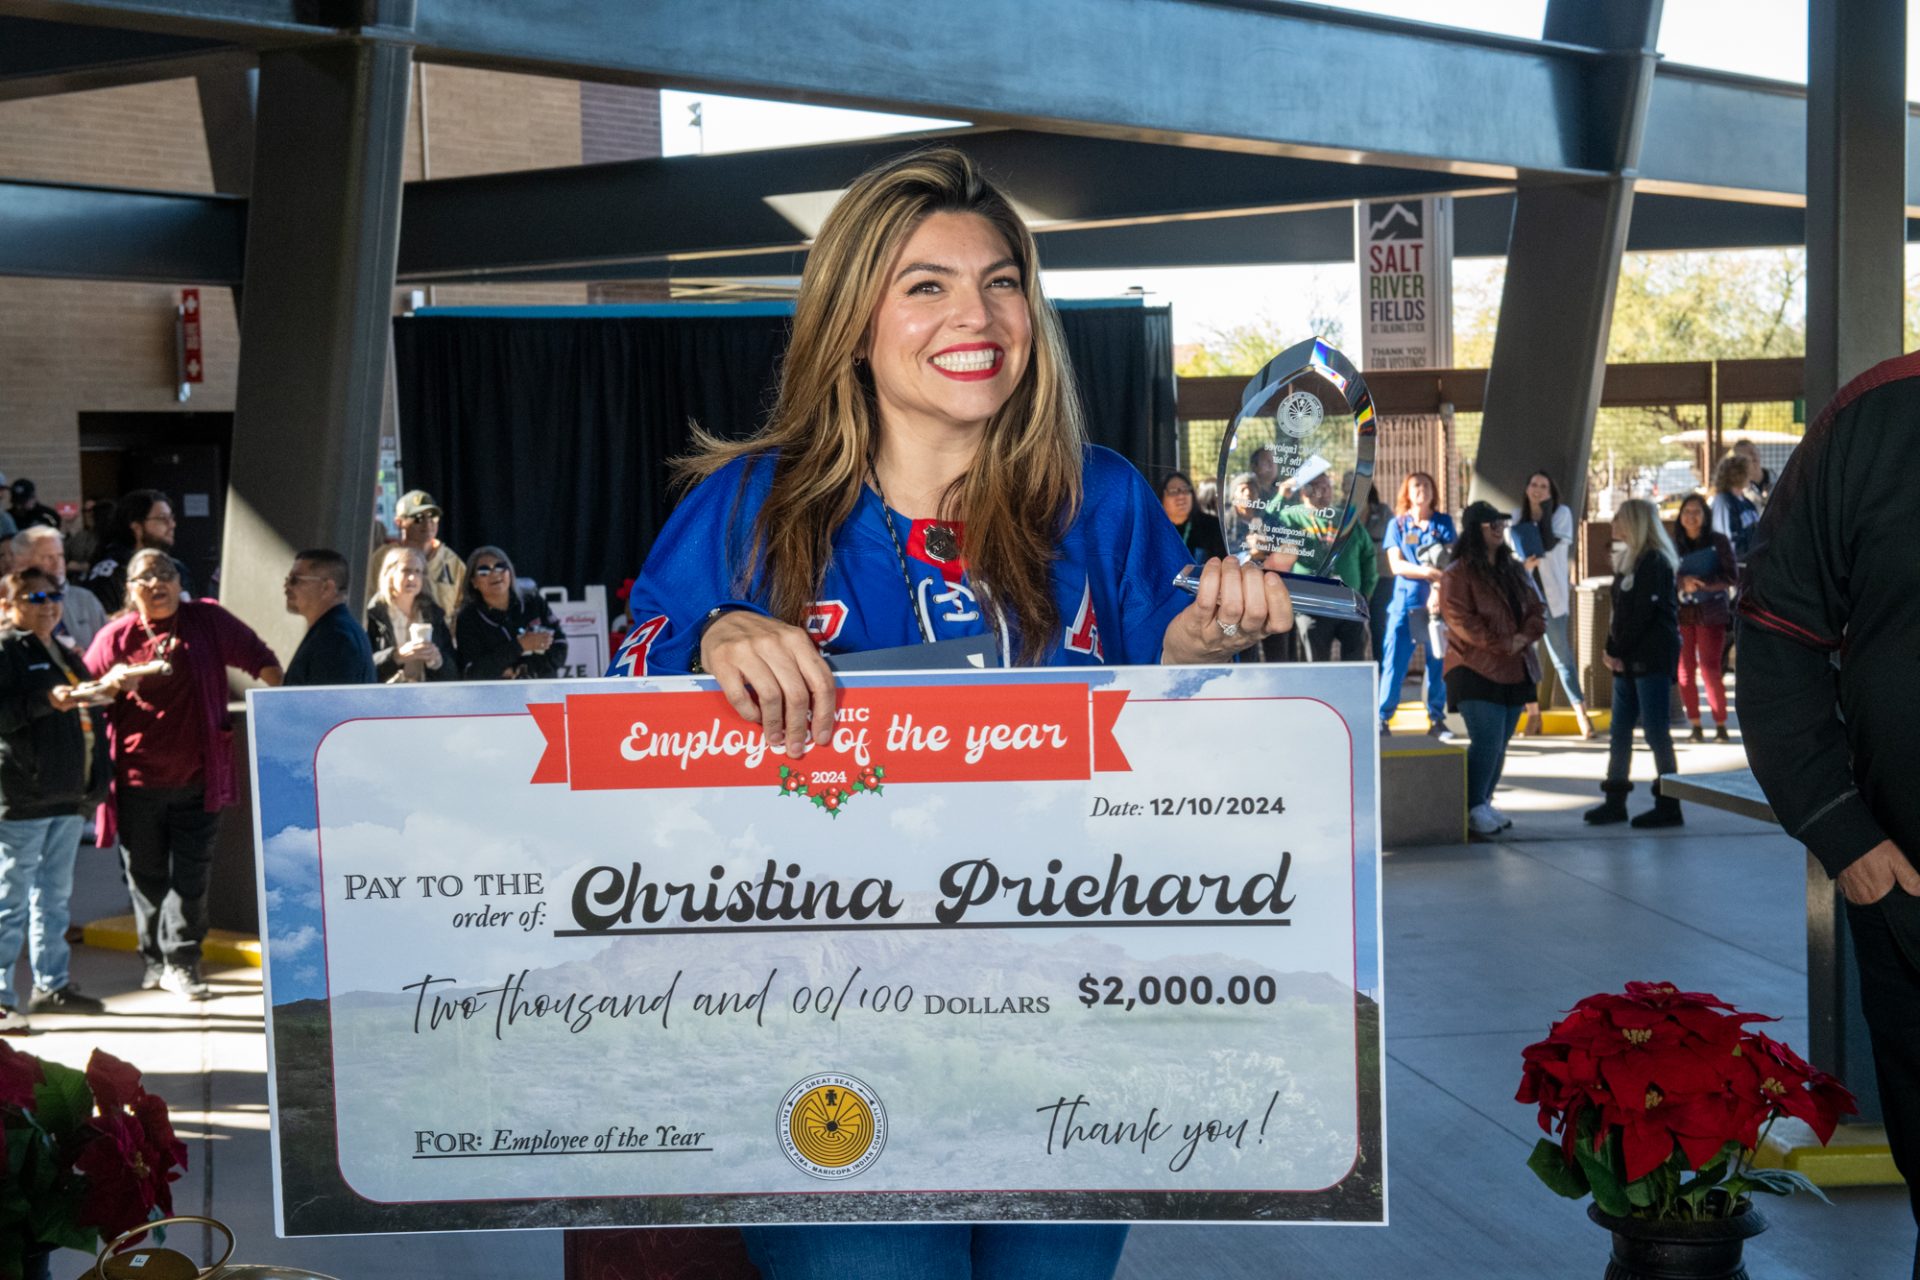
(1112, 577)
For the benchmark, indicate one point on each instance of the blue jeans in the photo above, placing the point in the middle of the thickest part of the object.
(1560, 649)
(1397, 648)
(1489, 725)
(36, 882)
(944, 1251)
(1646, 701)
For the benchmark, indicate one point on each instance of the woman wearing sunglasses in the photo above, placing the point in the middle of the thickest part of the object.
(505, 633)
(53, 766)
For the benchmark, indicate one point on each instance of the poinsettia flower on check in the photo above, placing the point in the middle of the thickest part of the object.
(1650, 1085)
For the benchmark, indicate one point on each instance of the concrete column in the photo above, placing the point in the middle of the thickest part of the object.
(1856, 188)
(322, 238)
(1563, 262)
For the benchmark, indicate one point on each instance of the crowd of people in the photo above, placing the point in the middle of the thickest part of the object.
(1471, 605)
(114, 707)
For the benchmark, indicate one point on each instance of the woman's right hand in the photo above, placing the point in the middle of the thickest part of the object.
(773, 675)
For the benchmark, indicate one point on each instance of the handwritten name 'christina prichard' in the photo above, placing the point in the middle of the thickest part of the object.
(610, 897)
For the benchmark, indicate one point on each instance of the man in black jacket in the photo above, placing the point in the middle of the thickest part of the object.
(53, 766)
(335, 649)
(1830, 699)
(143, 518)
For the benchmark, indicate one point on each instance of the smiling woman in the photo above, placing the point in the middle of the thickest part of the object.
(924, 476)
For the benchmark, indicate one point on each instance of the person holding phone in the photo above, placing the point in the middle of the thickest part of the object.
(504, 633)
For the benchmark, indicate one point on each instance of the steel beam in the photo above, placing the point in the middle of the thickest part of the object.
(41, 58)
(228, 99)
(1563, 264)
(641, 210)
(94, 233)
(1251, 75)
(322, 237)
(1856, 154)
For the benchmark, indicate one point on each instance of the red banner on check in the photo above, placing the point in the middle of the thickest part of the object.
(932, 733)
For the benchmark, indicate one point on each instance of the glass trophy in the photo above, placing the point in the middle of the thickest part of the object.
(1295, 469)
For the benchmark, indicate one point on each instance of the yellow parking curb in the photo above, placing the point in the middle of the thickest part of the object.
(1858, 1156)
(222, 946)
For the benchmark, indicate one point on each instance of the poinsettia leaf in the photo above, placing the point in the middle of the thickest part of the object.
(56, 1226)
(61, 1101)
(1552, 1168)
(1640, 1191)
(1779, 1182)
(1602, 1173)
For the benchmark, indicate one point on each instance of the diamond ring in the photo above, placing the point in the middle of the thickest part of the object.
(1229, 629)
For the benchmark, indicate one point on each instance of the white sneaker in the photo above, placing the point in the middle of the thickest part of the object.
(1483, 821)
(1505, 821)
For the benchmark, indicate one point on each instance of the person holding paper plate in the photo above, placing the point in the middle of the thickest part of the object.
(924, 477)
(1541, 535)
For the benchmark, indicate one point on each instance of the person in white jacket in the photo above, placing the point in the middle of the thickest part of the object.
(1541, 536)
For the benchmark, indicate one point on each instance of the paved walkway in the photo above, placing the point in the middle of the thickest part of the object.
(1486, 943)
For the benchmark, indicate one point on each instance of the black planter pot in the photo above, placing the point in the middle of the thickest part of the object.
(1647, 1249)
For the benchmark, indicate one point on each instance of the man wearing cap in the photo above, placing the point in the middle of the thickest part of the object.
(28, 510)
(1356, 565)
(418, 516)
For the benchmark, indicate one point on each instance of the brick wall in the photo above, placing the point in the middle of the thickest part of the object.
(70, 347)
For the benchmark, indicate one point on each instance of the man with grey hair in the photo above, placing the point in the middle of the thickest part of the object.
(44, 549)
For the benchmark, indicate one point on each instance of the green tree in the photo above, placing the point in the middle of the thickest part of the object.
(1240, 350)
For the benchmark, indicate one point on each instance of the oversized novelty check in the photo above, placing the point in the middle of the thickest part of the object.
(1045, 944)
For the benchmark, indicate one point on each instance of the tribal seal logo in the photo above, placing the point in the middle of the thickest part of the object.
(1300, 413)
(832, 1126)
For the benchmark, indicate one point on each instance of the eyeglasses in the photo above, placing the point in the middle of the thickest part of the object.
(304, 577)
(149, 579)
(488, 570)
(40, 597)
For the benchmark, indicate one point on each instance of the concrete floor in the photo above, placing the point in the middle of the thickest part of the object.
(1486, 944)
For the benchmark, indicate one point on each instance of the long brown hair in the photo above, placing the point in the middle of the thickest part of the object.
(1024, 485)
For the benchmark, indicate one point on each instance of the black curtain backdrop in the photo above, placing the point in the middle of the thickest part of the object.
(550, 435)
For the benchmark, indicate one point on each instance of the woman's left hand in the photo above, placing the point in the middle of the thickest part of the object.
(1237, 606)
(1615, 665)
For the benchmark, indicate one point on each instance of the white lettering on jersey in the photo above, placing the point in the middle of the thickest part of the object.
(825, 621)
(1084, 635)
(632, 658)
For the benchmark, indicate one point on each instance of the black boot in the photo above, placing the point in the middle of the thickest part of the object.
(1665, 812)
(1614, 807)
(1698, 734)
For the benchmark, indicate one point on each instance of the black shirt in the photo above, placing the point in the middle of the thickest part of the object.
(335, 650)
(1830, 650)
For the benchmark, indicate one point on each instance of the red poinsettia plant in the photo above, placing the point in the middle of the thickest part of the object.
(88, 1155)
(1661, 1097)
